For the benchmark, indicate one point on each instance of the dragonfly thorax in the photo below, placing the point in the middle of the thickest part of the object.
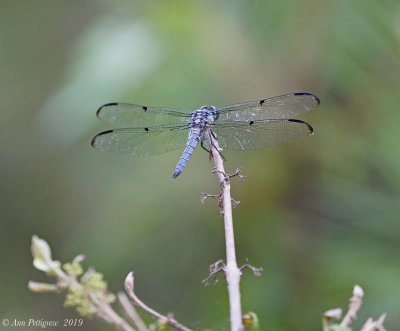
(203, 117)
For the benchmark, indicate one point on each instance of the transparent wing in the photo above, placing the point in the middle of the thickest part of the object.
(142, 141)
(130, 115)
(284, 106)
(258, 134)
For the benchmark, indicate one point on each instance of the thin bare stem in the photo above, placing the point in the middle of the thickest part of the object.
(354, 306)
(129, 287)
(131, 312)
(231, 270)
(106, 313)
(370, 324)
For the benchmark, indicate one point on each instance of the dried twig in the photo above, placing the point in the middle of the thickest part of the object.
(256, 271)
(354, 306)
(231, 270)
(106, 313)
(371, 325)
(204, 197)
(351, 315)
(215, 269)
(236, 173)
(129, 287)
(235, 203)
(130, 311)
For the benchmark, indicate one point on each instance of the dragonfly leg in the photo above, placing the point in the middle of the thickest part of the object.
(208, 151)
(213, 136)
(202, 146)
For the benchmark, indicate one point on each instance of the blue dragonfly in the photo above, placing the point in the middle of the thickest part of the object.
(247, 125)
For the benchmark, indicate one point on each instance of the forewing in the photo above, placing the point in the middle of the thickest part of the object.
(130, 115)
(284, 106)
(259, 134)
(142, 141)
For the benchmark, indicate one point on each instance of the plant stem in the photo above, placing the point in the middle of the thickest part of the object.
(231, 270)
(129, 288)
(106, 313)
(131, 312)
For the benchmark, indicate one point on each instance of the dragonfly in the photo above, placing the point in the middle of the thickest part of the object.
(146, 130)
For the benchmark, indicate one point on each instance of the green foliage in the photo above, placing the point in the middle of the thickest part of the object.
(87, 294)
(73, 269)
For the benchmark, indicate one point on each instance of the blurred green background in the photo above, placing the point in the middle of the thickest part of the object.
(319, 215)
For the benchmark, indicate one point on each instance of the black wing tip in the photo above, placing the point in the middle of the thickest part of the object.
(105, 105)
(311, 94)
(93, 142)
(310, 128)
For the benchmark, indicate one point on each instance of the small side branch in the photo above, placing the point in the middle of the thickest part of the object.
(256, 271)
(169, 320)
(220, 266)
(235, 203)
(354, 306)
(204, 197)
(229, 176)
(215, 269)
(351, 315)
(370, 324)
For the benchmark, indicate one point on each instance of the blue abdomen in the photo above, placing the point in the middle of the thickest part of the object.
(193, 140)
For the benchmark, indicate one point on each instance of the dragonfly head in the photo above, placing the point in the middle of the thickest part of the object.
(211, 111)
